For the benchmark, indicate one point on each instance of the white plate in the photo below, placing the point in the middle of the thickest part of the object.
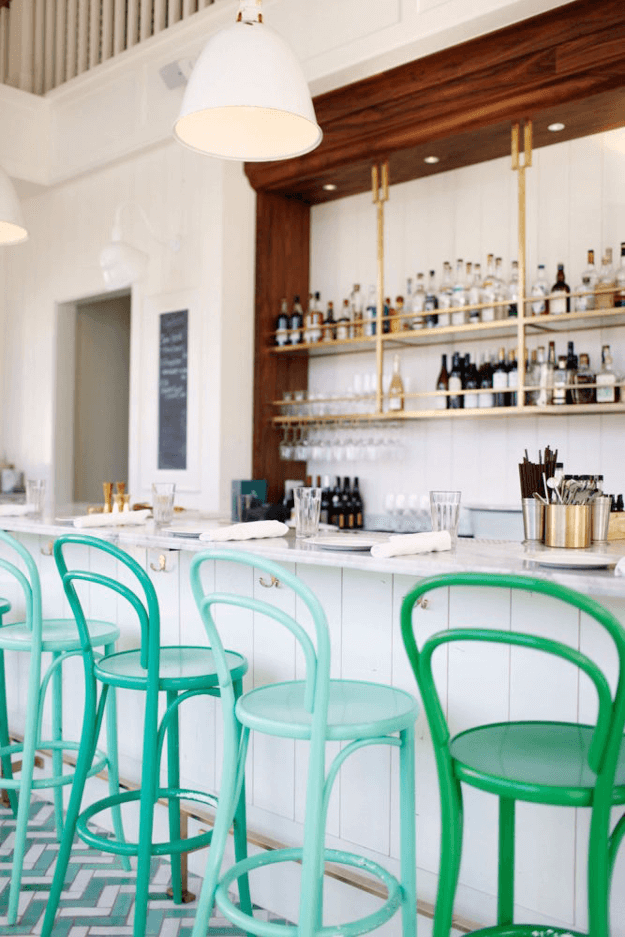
(343, 542)
(570, 560)
(190, 532)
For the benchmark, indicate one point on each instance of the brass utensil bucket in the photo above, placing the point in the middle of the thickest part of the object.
(568, 525)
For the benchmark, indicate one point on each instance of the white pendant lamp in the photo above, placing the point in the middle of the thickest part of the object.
(12, 227)
(247, 97)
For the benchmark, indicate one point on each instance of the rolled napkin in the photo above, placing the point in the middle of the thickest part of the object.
(118, 519)
(15, 510)
(254, 530)
(433, 541)
(619, 569)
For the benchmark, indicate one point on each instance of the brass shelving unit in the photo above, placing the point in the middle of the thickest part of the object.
(400, 334)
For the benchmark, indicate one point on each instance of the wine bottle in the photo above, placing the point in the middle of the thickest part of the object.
(619, 295)
(325, 511)
(282, 324)
(346, 517)
(456, 401)
(559, 301)
(513, 378)
(500, 380)
(486, 397)
(335, 515)
(396, 388)
(471, 383)
(296, 322)
(357, 506)
(442, 383)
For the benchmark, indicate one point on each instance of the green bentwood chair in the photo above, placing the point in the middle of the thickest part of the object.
(61, 639)
(557, 763)
(181, 673)
(319, 710)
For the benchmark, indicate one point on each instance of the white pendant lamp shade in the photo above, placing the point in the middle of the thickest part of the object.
(122, 264)
(247, 98)
(12, 227)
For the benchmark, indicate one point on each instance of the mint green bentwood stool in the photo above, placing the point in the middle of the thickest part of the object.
(319, 710)
(182, 674)
(558, 763)
(60, 638)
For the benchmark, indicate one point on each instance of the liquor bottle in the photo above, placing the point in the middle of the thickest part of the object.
(605, 282)
(406, 324)
(456, 401)
(357, 506)
(512, 293)
(343, 325)
(559, 301)
(356, 311)
(335, 516)
(329, 325)
(346, 517)
(474, 294)
(386, 312)
(500, 380)
(396, 388)
(325, 511)
(471, 383)
(444, 295)
(487, 398)
(532, 377)
(308, 319)
(296, 322)
(619, 282)
(282, 324)
(545, 377)
(571, 371)
(607, 392)
(513, 378)
(459, 295)
(418, 302)
(586, 300)
(442, 383)
(397, 323)
(488, 290)
(500, 289)
(316, 328)
(540, 289)
(431, 302)
(581, 393)
(559, 382)
(371, 311)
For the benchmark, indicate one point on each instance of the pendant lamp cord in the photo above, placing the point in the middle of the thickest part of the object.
(250, 12)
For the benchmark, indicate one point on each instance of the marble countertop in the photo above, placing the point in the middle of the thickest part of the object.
(488, 556)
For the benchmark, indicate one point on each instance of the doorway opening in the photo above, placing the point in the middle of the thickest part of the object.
(92, 402)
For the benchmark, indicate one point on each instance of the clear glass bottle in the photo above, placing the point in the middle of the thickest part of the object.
(559, 302)
(431, 302)
(343, 325)
(540, 290)
(500, 289)
(406, 324)
(586, 300)
(605, 300)
(444, 295)
(545, 375)
(442, 383)
(370, 312)
(396, 388)
(474, 293)
(315, 328)
(489, 291)
(459, 295)
(584, 376)
(357, 307)
(512, 293)
(418, 302)
(532, 377)
(619, 281)
(282, 324)
(560, 382)
(607, 392)
(308, 318)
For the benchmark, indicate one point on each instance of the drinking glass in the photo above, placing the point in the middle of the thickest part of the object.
(35, 494)
(445, 510)
(163, 494)
(307, 509)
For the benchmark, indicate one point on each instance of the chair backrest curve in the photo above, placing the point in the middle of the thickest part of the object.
(29, 582)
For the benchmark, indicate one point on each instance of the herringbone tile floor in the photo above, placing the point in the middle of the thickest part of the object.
(98, 900)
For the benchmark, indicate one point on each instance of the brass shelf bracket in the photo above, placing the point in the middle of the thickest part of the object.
(379, 185)
(521, 160)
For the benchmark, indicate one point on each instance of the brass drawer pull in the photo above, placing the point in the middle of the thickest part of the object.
(162, 564)
(49, 549)
(268, 585)
(422, 602)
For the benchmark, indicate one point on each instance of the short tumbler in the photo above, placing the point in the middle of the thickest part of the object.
(445, 508)
(163, 494)
(307, 508)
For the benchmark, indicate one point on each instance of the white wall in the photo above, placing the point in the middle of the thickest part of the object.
(576, 201)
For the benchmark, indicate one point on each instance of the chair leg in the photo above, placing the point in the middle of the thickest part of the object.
(57, 735)
(149, 796)
(173, 781)
(113, 764)
(451, 851)
(505, 889)
(7, 769)
(407, 807)
(600, 860)
(240, 830)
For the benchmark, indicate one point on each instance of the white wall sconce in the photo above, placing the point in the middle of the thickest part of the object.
(121, 263)
(12, 227)
(247, 97)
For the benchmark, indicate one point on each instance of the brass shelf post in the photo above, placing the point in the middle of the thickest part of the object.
(520, 162)
(379, 184)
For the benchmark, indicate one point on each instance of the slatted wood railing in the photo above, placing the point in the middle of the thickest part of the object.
(59, 39)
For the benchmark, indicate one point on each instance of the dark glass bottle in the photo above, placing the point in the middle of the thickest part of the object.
(325, 511)
(513, 378)
(559, 301)
(500, 380)
(442, 383)
(296, 323)
(346, 517)
(456, 401)
(471, 383)
(431, 302)
(336, 503)
(485, 373)
(282, 324)
(357, 506)
(571, 371)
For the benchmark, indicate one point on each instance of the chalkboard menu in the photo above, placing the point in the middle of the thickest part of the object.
(172, 390)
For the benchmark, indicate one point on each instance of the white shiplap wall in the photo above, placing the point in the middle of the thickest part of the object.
(576, 201)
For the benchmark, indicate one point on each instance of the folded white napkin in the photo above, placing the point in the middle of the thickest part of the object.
(619, 569)
(405, 544)
(15, 510)
(119, 519)
(254, 530)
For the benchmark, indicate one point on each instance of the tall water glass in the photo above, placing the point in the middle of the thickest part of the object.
(163, 494)
(307, 509)
(35, 494)
(445, 510)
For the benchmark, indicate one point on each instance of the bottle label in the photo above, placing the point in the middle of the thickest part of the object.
(500, 380)
(394, 403)
(341, 332)
(455, 384)
(487, 400)
(470, 401)
(557, 305)
(539, 308)
(605, 392)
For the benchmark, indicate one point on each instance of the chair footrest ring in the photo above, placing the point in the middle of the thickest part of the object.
(525, 930)
(166, 848)
(100, 761)
(266, 929)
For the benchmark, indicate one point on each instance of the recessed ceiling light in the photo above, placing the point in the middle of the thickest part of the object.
(556, 127)
(431, 160)
(330, 187)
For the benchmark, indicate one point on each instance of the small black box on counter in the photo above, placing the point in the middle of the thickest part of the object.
(247, 495)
